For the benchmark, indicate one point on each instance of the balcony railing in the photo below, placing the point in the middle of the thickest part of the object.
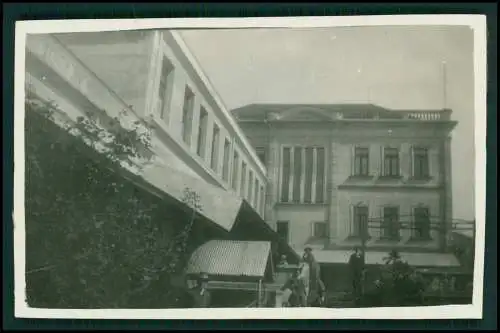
(408, 223)
(442, 115)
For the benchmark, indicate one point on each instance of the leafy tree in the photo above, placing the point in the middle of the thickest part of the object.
(93, 238)
(398, 284)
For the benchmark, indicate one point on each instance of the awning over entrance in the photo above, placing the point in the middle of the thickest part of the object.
(376, 258)
(231, 259)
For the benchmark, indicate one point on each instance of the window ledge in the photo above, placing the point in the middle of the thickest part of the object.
(420, 240)
(316, 240)
(395, 177)
(419, 179)
(362, 177)
(281, 203)
(357, 238)
(389, 240)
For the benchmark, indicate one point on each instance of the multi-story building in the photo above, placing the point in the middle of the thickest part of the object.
(153, 77)
(337, 173)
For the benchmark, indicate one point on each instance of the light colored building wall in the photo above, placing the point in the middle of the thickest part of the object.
(404, 199)
(121, 59)
(119, 71)
(300, 219)
(342, 189)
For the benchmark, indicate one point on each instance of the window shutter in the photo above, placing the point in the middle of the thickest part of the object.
(432, 159)
(353, 160)
(412, 161)
(401, 159)
(382, 161)
(351, 219)
(381, 222)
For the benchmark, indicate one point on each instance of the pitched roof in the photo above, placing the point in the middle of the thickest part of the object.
(231, 258)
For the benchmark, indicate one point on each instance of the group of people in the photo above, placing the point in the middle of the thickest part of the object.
(305, 287)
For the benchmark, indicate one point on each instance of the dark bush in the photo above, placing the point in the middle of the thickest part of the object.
(94, 239)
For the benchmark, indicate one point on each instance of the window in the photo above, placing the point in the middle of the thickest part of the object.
(309, 175)
(256, 194)
(391, 162)
(225, 161)
(234, 180)
(282, 229)
(420, 163)
(361, 161)
(261, 153)
(422, 223)
(286, 175)
(303, 175)
(215, 148)
(360, 221)
(319, 230)
(165, 75)
(187, 116)
(202, 132)
(243, 179)
(262, 200)
(390, 223)
(320, 175)
(250, 186)
(297, 174)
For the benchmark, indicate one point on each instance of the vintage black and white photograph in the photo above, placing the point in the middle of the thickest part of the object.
(320, 167)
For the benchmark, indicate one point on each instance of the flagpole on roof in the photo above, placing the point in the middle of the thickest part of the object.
(444, 84)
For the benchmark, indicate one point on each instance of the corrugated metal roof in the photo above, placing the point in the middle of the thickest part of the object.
(417, 259)
(230, 258)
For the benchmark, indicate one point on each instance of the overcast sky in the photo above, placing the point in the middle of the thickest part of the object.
(394, 67)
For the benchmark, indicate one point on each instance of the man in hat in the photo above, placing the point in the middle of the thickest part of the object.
(201, 295)
(356, 265)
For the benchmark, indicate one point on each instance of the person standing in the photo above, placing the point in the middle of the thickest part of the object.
(302, 285)
(201, 294)
(356, 265)
(316, 286)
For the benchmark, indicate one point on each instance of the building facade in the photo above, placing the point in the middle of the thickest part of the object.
(152, 77)
(337, 173)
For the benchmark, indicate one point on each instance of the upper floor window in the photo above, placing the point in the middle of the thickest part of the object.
(361, 156)
(256, 194)
(391, 162)
(319, 230)
(420, 163)
(187, 116)
(202, 133)
(250, 186)
(225, 160)
(234, 179)
(421, 223)
(215, 148)
(359, 221)
(165, 76)
(262, 199)
(303, 174)
(390, 223)
(261, 153)
(243, 179)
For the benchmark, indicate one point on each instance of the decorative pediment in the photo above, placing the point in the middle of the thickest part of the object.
(303, 113)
